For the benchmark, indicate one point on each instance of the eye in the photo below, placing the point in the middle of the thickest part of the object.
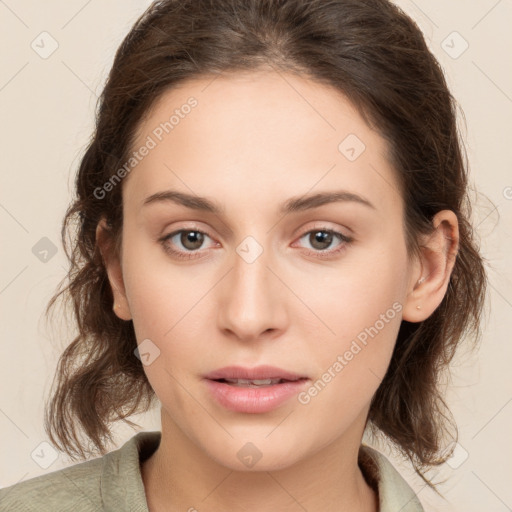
(190, 239)
(322, 238)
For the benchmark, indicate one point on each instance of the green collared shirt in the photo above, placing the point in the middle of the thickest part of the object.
(113, 483)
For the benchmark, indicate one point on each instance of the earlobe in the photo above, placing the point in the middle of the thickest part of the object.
(113, 267)
(439, 252)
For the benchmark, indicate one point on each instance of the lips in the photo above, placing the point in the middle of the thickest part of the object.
(253, 390)
(264, 373)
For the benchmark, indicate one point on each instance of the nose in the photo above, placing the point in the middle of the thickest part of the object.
(252, 300)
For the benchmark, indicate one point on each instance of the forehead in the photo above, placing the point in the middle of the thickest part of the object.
(258, 132)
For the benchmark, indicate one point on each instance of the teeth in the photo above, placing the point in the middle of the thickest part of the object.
(253, 383)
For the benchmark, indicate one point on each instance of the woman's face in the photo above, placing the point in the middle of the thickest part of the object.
(285, 273)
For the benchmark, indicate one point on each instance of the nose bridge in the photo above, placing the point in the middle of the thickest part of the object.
(252, 301)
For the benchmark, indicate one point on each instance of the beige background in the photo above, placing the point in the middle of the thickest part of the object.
(47, 107)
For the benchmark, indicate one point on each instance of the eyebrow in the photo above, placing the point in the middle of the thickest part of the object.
(295, 204)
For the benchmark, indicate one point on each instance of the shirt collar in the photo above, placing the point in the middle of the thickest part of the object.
(394, 493)
(121, 483)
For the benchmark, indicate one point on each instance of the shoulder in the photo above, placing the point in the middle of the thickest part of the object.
(98, 484)
(393, 490)
(76, 486)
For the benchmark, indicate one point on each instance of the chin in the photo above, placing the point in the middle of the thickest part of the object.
(254, 456)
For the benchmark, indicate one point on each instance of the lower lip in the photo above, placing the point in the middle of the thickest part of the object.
(254, 400)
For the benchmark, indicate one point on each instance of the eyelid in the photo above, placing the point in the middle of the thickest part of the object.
(325, 225)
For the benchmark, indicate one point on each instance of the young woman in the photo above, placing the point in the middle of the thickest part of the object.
(273, 242)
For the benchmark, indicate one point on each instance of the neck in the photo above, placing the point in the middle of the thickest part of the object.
(179, 476)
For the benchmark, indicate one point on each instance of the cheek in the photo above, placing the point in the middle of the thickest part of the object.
(353, 367)
(361, 311)
(158, 292)
(166, 304)
(363, 345)
(361, 292)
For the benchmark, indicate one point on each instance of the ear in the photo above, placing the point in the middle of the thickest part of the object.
(112, 263)
(431, 275)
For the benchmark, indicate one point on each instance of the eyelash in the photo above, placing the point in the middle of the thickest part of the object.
(188, 255)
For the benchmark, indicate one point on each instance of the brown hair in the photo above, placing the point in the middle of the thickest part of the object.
(375, 55)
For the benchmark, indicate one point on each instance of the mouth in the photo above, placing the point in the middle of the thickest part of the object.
(253, 390)
(256, 383)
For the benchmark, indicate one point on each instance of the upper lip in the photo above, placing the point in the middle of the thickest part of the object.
(256, 373)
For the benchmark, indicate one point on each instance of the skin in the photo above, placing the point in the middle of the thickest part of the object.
(254, 141)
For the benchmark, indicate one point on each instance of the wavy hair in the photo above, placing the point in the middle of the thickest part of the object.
(374, 54)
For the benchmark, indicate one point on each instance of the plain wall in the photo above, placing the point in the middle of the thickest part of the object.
(47, 112)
